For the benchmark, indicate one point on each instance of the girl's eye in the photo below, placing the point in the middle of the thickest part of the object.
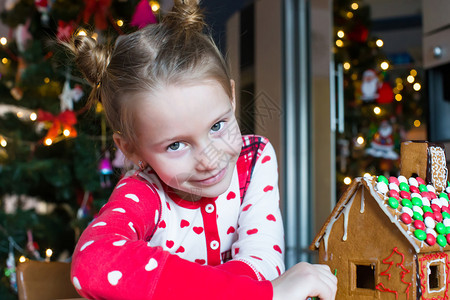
(218, 126)
(177, 146)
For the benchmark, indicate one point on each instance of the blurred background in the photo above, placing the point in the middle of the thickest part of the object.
(335, 85)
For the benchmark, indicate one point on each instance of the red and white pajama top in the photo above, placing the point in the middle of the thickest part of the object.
(148, 243)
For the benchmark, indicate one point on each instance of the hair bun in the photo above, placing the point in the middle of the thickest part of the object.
(91, 57)
(186, 15)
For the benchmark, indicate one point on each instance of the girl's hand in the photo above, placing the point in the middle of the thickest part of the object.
(305, 280)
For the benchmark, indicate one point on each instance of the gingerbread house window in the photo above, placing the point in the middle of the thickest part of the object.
(365, 276)
(434, 277)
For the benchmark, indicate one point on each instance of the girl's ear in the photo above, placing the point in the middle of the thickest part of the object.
(233, 94)
(126, 148)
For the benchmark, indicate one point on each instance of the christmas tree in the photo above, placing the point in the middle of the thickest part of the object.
(382, 98)
(58, 162)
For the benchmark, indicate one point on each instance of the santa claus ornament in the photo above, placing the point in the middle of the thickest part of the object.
(370, 85)
(382, 144)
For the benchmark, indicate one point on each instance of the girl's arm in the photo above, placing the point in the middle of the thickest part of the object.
(113, 260)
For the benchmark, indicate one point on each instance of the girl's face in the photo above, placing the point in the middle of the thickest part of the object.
(190, 137)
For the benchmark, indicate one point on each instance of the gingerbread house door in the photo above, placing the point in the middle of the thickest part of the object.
(434, 275)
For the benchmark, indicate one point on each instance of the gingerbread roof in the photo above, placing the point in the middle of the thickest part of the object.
(415, 208)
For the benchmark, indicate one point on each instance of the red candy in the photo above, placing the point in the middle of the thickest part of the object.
(420, 181)
(419, 224)
(393, 179)
(405, 195)
(445, 209)
(428, 214)
(426, 195)
(435, 208)
(431, 240)
(414, 189)
(438, 216)
(394, 193)
(433, 195)
(448, 238)
(406, 218)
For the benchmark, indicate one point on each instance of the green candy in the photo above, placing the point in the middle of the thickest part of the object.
(441, 240)
(407, 203)
(440, 228)
(416, 201)
(443, 195)
(423, 188)
(393, 202)
(428, 209)
(404, 186)
(381, 178)
(445, 215)
(420, 234)
(448, 229)
(418, 216)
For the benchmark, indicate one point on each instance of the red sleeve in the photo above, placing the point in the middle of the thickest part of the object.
(113, 260)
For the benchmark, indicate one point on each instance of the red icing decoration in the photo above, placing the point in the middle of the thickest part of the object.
(420, 181)
(393, 179)
(403, 273)
(424, 272)
(419, 224)
(431, 240)
(406, 218)
(394, 193)
(405, 195)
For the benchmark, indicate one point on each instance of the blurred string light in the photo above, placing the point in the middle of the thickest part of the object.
(398, 97)
(3, 142)
(377, 110)
(347, 180)
(354, 6)
(119, 23)
(154, 5)
(33, 116)
(340, 34)
(417, 123)
(349, 15)
(379, 43)
(3, 41)
(367, 175)
(81, 32)
(410, 79)
(346, 65)
(384, 65)
(5, 60)
(413, 72)
(417, 86)
(360, 140)
(339, 43)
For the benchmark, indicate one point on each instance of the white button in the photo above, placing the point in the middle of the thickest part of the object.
(209, 208)
(214, 245)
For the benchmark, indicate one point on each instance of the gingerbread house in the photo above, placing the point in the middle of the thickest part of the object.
(389, 238)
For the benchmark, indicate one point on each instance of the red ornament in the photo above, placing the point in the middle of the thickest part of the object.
(360, 33)
(385, 94)
(100, 10)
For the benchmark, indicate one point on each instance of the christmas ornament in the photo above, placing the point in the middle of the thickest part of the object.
(382, 144)
(65, 30)
(43, 6)
(369, 86)
(105, 169)
(22, 35)
(59, 124)
(385, 94)
(32, 246)
(360, 33)
(69, 96)
(143, 15)
(99, 9)
(10, 270)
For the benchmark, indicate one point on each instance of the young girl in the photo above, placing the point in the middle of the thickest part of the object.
(199, 218)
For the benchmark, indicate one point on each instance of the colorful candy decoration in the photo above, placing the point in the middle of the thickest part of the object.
(426, 214)
(105, 169)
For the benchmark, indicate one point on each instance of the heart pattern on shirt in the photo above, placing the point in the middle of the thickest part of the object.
(184, 223)
(277, 248)
(169, 243)
(200, 261)
(265, 159)
(268, 188)
(246, 207)
(162, 224)
(231, 230)
(151, 265)
(271, 218)
(252, 231)
(180, 250)
(231, 195)
(198, 230)
(114, 277)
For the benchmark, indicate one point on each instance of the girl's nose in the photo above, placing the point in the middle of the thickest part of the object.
(209, 158)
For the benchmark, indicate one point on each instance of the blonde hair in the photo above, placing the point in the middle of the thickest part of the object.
(172, 52)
